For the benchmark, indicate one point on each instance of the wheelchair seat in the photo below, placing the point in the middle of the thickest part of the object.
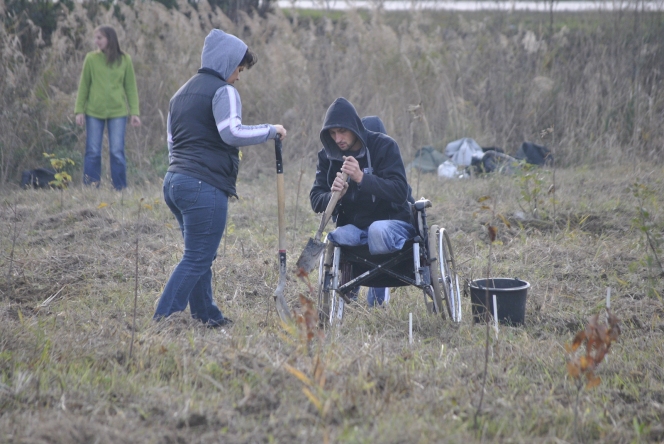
(396, 268)
(400, 263)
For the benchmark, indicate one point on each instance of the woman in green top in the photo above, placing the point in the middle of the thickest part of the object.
(107, 85)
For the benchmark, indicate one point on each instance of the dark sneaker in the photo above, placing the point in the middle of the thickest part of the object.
(224, 322)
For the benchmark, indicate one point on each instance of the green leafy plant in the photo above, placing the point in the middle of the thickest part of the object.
(532, 183)
(62, 177)
(59, 164)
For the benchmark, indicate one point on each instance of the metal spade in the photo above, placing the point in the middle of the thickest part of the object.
(309, 258)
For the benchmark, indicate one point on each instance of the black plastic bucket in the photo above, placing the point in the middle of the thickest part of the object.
(511, 297)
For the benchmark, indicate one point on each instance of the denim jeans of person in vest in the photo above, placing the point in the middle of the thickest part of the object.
(201, 211)
(94, 134)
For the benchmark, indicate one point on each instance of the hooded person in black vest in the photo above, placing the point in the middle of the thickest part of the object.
(374, 206)
(204, 130)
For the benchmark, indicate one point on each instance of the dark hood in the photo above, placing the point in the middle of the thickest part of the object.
(373, 123)
(342, 114)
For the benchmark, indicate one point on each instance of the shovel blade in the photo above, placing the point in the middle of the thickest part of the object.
(282, 307)
(309, 258)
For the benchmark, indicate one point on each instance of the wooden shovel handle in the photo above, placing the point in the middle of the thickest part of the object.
(329, 209)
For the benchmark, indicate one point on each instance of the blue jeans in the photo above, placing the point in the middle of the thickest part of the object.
(382, 236)
(201, 210)
(377, 296)
(116, 143)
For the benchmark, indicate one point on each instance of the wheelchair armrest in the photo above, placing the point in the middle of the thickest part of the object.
(416, 213)
(422, 204)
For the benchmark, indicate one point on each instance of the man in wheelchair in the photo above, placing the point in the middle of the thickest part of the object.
(373, 209)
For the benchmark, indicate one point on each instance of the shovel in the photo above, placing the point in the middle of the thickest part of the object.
(309, 258)
(282, 305)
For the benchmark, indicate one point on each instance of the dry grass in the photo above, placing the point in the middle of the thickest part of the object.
(65, 376)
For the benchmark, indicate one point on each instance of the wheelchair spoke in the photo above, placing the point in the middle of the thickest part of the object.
(450, 277)
(330, 303)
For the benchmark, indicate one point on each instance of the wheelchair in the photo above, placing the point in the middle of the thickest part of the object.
(426, 261)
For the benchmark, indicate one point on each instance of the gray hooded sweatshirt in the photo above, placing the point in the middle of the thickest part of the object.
(205, 117)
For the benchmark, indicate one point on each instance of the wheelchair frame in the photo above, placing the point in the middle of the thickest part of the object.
(433, 270)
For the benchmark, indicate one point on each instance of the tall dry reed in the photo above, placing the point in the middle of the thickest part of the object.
(499, 78)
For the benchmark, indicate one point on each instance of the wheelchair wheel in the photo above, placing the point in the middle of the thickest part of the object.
(437, 291)
(450, 278)
(330, 304)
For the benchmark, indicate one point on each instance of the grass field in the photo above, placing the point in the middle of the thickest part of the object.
(66, 375)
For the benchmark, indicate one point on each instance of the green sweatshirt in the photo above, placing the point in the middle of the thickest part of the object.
(104, 91)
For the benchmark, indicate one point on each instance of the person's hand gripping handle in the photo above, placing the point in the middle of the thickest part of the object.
(334, 198)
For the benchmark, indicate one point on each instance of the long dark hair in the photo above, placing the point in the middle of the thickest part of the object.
(112, 51)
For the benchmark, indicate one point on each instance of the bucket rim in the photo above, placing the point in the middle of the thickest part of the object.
(474, 284)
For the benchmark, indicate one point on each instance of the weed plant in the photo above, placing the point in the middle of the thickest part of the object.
(62, 178)
(532, 183)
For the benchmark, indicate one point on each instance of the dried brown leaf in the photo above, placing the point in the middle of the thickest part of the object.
(505, 221)
(592, 322)
(614, 333)
(593, 380)
(599, 355)
(573, 369)
(603, 334)
(585, 363)
(578, 340)
(308, 318)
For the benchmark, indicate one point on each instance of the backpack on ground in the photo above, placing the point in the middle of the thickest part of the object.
(534, 154)
(494, 160)
(37, 178)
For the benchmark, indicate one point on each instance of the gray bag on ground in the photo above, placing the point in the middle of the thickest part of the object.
(462, 152)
